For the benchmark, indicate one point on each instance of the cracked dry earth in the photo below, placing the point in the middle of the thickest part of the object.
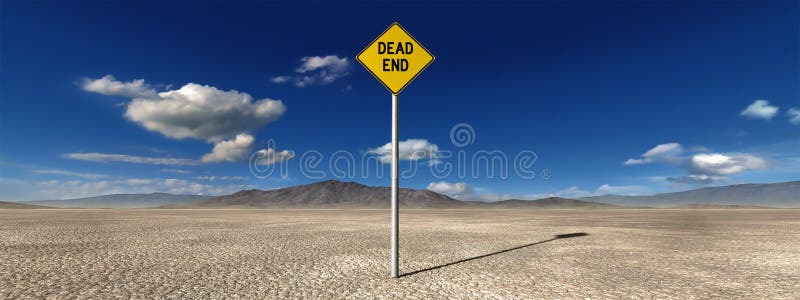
(331, 254)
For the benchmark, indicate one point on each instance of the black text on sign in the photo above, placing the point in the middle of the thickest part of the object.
(397, 48)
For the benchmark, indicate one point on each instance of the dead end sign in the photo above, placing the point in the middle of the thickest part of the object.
(395, 58)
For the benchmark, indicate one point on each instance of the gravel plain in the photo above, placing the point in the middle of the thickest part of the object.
(455, 254)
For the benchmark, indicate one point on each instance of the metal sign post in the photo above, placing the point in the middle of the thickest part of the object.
(395, 186)
(395, 58)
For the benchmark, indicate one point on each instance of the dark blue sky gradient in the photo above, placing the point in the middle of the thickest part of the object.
(585, 85)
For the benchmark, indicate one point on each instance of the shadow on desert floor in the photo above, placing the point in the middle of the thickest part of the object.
(556, 237)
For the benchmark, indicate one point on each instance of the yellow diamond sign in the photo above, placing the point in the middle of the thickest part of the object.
(395, 58)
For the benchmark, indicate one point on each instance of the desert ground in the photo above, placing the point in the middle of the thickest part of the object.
(461, 254)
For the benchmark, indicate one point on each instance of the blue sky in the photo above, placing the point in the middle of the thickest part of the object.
(612, 97)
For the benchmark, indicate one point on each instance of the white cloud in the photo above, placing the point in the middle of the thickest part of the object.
(571, 192)
(635, 161)
(17, 190)
(109, 157)
(725, 164)
(213, 178)
(203, 112)
(176, 171)
(148, 148)
(317, 70)
(195, 111)
(270, 156)
(663, 150)
(70, 173)
(704, 166)
(410, 149)
(794, 115)
(281, 79)
(451, 189)
(701, 179)
(108, 85)
(627, 190)
(660, 152)
(760, 109)
(576, 193)
(231, 150)
(330, 62)
(462, 191)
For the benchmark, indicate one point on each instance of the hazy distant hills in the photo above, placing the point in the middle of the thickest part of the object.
(122, 201)
(719, 206)
(551, 202)
(337, 194)
(15, 205)
(330, 194)
(786, 194)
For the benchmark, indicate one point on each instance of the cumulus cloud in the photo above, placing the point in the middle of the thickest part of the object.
(108, 85)
(659, 152)
(410, 149)
(725, 164)
(271, 156)
(451, 189)
(224, 118)
(794, 116)
(203, 112)
(110, 157)
(462, 191)
(231, 150)
(760, 109)
(70, 173)
(317, 70)
(703, 166)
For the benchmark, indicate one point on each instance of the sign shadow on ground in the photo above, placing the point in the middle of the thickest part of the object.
(556, 237)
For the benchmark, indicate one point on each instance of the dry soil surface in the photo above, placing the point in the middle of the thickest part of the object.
(469, 254)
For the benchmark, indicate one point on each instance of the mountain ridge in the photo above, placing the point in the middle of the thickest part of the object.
(120, 201)
(782, 194)
(17, 205)
(338, 194)
(329, 194)
(551, 202)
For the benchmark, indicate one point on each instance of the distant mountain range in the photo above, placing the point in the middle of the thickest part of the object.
(121, 201)
(551, 202)
(337, 194)
(719, 206)
(330, 194)
(785, 194)
(15, 205)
